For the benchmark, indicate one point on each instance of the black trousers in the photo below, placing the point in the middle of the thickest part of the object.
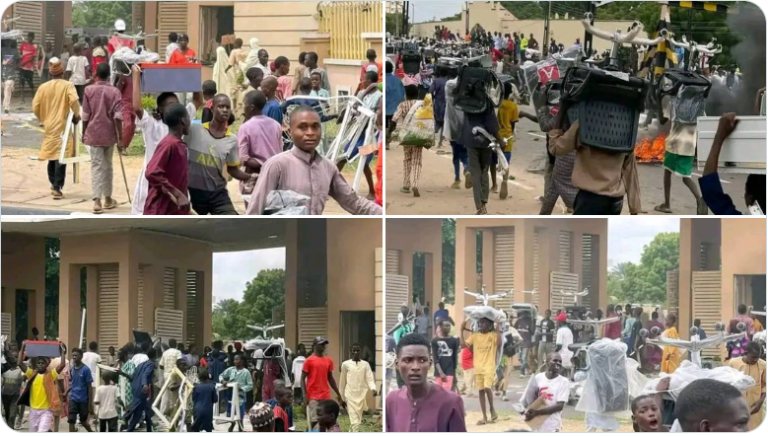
(479, 169)
(57, 174)
(589, 203)
(108, 425)
(80, 92)
(211, 202)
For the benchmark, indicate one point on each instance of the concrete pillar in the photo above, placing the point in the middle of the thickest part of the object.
(686, 267)
(91, 304)
(150, 24)
(69, 303)
(291, 284)
(466, 269)
(128, 299)
(488, 263)
(524, 230)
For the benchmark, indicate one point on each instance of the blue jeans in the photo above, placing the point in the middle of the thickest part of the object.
(459, 156)
(524, 359)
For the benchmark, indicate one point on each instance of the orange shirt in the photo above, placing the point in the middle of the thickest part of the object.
(182, 58)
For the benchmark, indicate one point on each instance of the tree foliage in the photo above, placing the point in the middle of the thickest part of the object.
(265, 292)
(646, 282)
(101, 14)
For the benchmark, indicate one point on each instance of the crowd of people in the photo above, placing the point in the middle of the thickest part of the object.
(195, 146)
(589, 180)
(269, 387)
(438, 364)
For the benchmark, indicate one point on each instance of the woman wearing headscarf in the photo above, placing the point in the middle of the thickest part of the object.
(220, 71)
(253, 56)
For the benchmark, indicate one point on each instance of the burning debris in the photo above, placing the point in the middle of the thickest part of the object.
(650, 149)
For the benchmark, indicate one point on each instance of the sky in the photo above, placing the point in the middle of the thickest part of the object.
(427, 10)
(231, 271)
(628, 235)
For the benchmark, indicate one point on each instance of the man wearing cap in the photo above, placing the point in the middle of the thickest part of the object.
(316, 377)
(51, 105)
(118, 41)
(564, 339)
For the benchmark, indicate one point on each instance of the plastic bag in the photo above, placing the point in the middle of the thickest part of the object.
(688, 104)
(419, 126)
(688, 372)
(286, 203)
(130, 57)
(476, 313)
(606, 389)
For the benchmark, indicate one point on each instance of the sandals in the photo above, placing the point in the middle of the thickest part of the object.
(662, 209)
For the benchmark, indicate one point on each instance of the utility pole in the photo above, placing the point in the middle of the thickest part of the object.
(405, 18)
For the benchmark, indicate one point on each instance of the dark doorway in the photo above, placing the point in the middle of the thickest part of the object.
(359, 327)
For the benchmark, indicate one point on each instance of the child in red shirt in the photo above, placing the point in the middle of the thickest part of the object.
(467, 365)
(284, 398)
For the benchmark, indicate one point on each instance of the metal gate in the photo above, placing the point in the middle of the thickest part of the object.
(396, 296)
(313, 322)
(171, 17)
(140, 322)
(109, 307)
(564, 247)
(192, 316)
(536, 263)
(393, 261)
(504, 266)
(169, 288)
(169, 324)
(673, 292)
(707, 304)
(6, 323)
(561, 281)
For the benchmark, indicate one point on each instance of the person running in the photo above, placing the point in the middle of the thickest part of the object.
(485, 345)
(153, 130)
(420, 406)
(239, 374)
(753, 366)
(211, 147)
(445, 354)
(554, 389)
(316, 378)
(102, 124)
(167, 171)
(10, 72)
(712, 406)
(356, 380)
(41, 395)
(289, 171)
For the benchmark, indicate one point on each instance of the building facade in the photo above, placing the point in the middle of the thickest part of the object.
(156, 275)
(534, 260)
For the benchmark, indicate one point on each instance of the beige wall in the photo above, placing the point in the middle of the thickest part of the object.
(154, 252)
(23, 267)
(548, 230)
(352, 245)
(422, 235)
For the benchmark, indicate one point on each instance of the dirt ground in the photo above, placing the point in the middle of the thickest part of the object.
(509, 421)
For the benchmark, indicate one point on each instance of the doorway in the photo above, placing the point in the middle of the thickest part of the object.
(359, 327)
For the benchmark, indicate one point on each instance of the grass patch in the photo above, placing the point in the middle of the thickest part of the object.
(369, 425)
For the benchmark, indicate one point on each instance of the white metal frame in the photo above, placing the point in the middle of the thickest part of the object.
(235, 415)
(182, 405)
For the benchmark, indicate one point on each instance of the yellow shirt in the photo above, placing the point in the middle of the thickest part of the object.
(484, 348)
(51, 105)
(38, 399)
(752, 395)
(508, 114)
(670, 359)
(756, 326)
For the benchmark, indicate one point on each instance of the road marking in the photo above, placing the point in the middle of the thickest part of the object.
(537, 135)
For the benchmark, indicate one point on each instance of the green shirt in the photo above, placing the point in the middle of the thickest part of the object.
(240, 376)
(402, 331)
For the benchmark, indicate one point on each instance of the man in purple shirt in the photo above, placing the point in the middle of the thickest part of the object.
(304, 171)
(258, 139)
(421, 406)
(102, 120)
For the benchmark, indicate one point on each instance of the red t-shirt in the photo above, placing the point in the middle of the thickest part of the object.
(280, 414)
(466, 359)
(317, 369)
(116, 43)
(27, 52)
(379, 171)
(182, 58)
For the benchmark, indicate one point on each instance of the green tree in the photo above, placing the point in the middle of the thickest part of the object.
(231, 317)
(646, 282)
(449, 259)
(100, 14)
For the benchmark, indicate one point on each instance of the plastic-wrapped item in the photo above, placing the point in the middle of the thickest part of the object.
(130, 57)
(688, 372)
(606, 389)
(688, 104)
(12, 34)
(419, 126)
(476, 313)
(637, 381)
(286, 203)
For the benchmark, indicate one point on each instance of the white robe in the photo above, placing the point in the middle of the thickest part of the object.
(219, 71)
(356, 380)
